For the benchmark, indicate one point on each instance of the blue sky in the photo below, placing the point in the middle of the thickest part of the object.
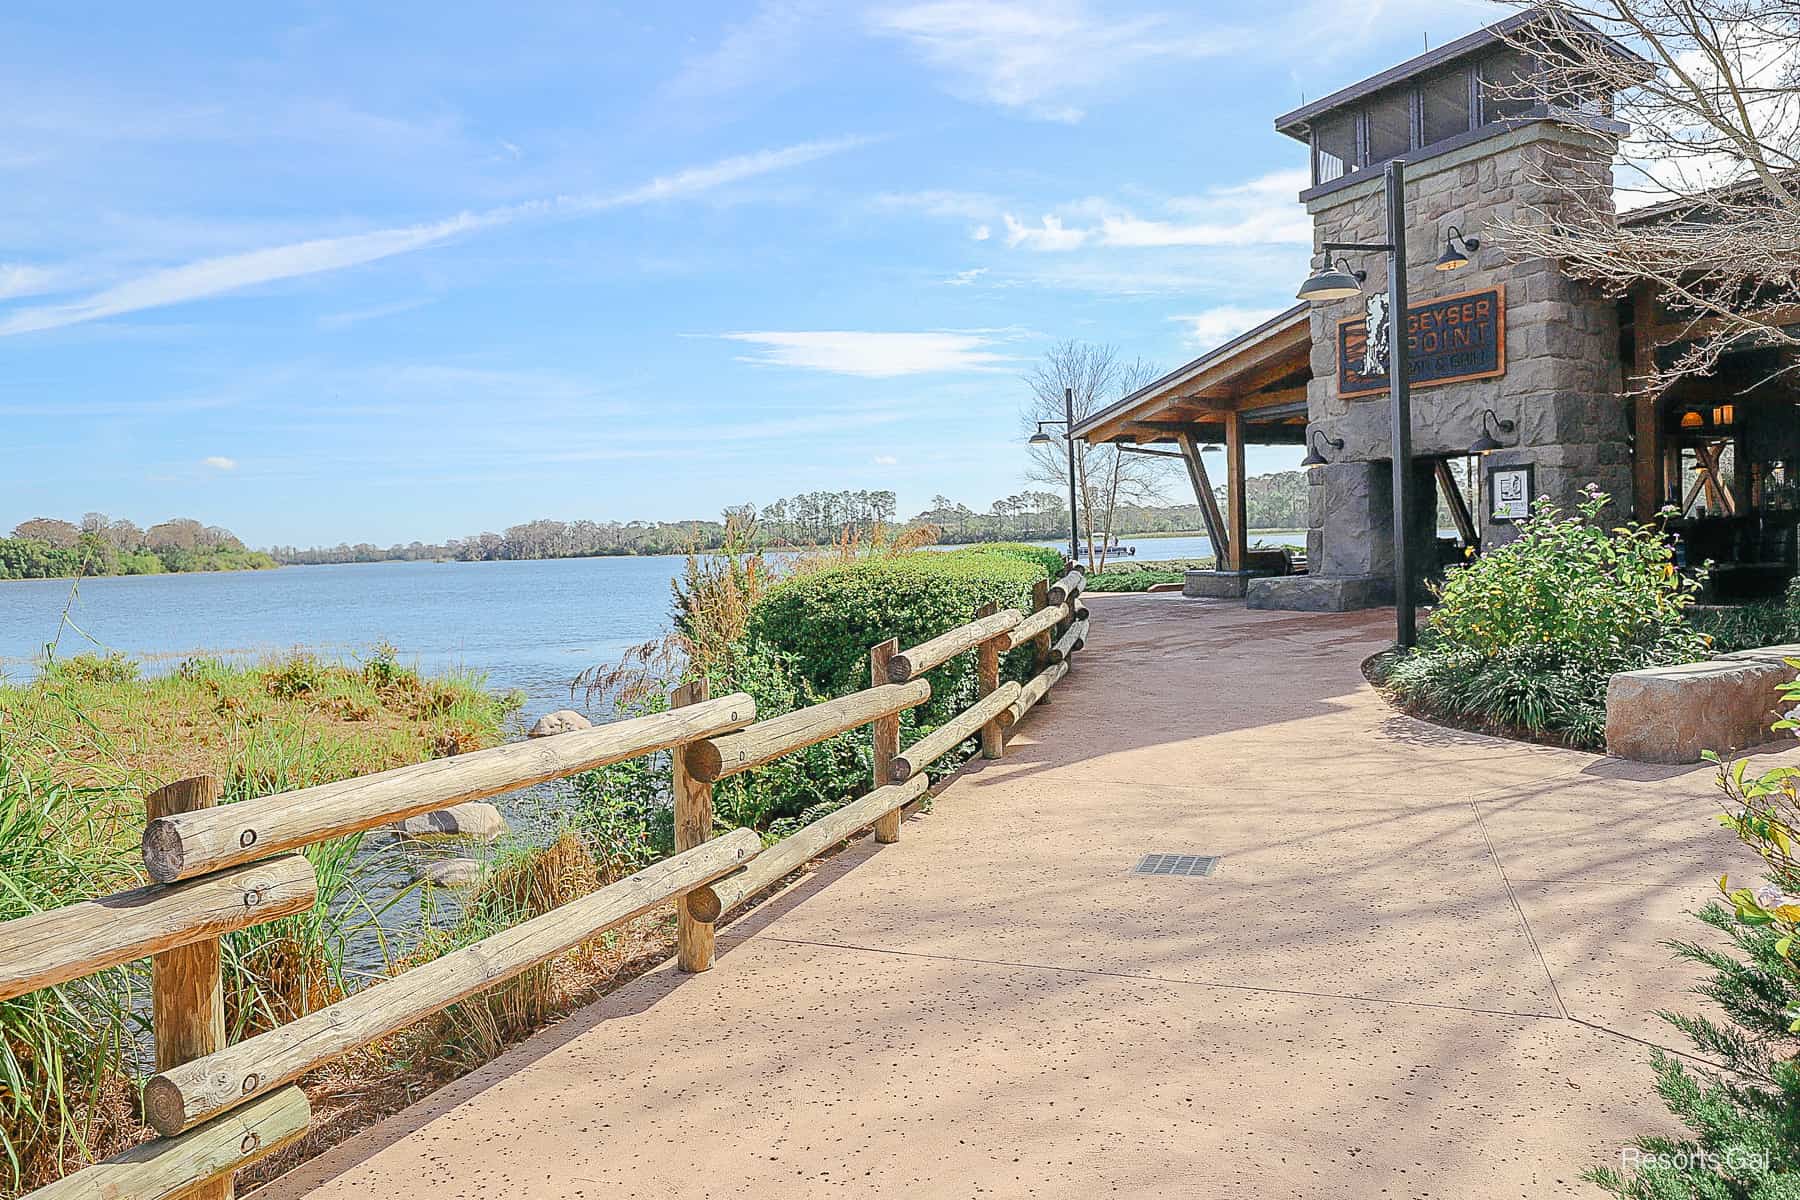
(323, 272)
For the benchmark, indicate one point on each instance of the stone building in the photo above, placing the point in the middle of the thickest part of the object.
(1521, 375)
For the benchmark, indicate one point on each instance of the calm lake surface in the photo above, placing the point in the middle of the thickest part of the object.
(527, 625)
(530, 626)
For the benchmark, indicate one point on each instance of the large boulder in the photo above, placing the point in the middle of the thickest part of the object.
(1672, 714)
(471, 819)
(563, 720)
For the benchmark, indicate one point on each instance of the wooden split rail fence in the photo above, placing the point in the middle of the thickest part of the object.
(219, 868)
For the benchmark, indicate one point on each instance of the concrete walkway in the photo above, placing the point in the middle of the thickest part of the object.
(1426, 965)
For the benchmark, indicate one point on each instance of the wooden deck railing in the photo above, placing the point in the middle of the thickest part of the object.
(220, 868)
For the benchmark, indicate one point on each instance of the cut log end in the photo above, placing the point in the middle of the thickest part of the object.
(163, 851)
(164, 1110)
(899, 669)
(703, 905)
(704, 762)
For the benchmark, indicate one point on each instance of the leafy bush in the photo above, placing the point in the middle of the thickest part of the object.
(1526, 636)
(1049, 559)
(823, 624)
(1132, 579)
(1745, 626)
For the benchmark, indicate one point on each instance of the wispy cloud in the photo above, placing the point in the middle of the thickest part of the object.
(966, 278)
(19, 280)
(876, 355)
(1216, 326)
(1258, 212)
(233, 272)
(1048, 234)
(1040, 57)
(219, 462)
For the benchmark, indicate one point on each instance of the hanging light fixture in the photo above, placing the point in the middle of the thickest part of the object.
(1691, 419)
(1487, 443)
(1314, 458)
(1457, 249)
(1724, 414)
(1333, 283)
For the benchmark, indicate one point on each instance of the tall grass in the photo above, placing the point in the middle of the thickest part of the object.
(64, 1085)
(79, 749)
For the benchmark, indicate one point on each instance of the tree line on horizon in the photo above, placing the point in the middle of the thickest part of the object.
(1274, 501)
(50, 548)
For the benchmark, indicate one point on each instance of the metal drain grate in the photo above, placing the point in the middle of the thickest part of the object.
(1176, 864)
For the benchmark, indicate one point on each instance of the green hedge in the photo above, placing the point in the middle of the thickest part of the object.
(823, 624)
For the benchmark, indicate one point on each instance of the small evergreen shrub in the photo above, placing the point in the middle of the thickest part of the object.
(1743, 1122)
(1525, 637)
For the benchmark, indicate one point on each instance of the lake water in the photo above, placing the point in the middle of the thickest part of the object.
(531, 626)
(527, 625)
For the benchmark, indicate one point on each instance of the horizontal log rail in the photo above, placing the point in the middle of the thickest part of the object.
(1068, 587)
(1073, 639)
(718, 758)
(953, 733)
(1034, 691)
(194, 843)
(182, 1096)
(66, 943)
(910, 664)
(1038, 623)
(221, 868)
(160, 1169)
(805, 844)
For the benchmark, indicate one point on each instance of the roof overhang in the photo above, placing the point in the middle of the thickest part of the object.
(1260, 375)
(1297, 124)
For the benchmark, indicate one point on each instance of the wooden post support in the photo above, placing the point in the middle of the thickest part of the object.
(1237, 517)
(187, 989)
(1040, 645)
(693, 826)
(886, 734)
(987, 674)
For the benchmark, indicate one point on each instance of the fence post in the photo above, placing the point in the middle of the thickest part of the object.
(987, 673)
(1040, 645)
(885, 732)
(693, 826)
(187, 988)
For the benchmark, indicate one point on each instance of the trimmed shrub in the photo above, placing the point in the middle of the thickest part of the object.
(1525, 637)
(823, 624)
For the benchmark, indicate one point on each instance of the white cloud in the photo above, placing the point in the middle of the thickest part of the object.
(980, 233)
(885, 460)
(1049, 234)
(1216, 326)
(219, 462)
(233, 272)
(875, 355)
(695, 180)
(1039, 56)
(1259, 229)
(16, 279)
(1262, 211)
(965, 278)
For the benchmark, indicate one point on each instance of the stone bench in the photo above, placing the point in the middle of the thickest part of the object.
(1671, 714)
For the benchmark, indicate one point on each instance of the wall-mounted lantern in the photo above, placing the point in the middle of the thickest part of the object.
(1487, 443)
(1457, 249)
(1314, 458)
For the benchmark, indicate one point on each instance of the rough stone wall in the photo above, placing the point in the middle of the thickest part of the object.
(1563, 376)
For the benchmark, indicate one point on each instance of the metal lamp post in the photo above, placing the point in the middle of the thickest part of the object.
(1338, 283)
(1040, 438)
